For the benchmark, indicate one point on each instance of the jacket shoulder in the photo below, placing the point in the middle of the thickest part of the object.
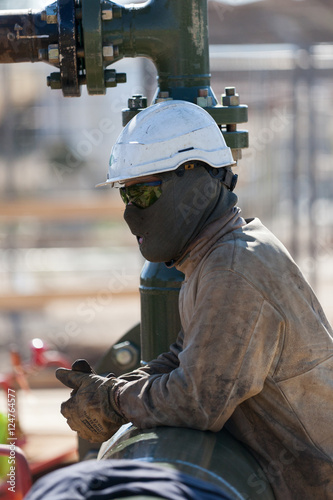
(249, 248)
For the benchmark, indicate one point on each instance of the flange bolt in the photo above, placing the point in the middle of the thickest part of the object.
(230, 98)
(137, 101)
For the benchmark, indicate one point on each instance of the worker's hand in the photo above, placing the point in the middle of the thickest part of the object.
(91, 410)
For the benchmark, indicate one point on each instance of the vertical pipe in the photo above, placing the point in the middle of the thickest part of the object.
(174, 35)
(160, 322)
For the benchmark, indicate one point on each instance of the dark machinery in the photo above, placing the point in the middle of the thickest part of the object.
(81, 39)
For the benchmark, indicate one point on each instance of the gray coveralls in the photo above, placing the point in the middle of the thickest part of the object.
(255, 355)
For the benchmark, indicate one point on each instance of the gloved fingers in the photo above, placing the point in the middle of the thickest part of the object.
(85, 432)
(67, 408)
(87, 424)
(81, 365)
(70, 378)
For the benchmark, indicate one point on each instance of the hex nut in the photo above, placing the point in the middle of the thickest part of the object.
(51, 14)
(203, 93)
(53, 53)
(114, 12)
(163, 96)
(108, 53)
(107, 15)
(121, 78)
(137, 102)
(43, 55)
(110, 78)
(54, 81)
(230, 100)
(205, 102)
(230, 91)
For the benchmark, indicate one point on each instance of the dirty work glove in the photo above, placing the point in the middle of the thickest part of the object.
(91, 410)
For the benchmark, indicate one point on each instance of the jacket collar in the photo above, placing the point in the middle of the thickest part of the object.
(207, 238)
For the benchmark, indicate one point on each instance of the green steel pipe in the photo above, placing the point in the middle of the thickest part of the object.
(217, 458)
(174, 35)
(160, 322)
(84, 38)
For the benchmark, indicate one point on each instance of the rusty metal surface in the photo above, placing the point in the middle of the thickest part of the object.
(24, 37)
(67, 48)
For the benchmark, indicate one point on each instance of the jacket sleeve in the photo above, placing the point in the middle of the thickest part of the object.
(164, 363)
(229, 349)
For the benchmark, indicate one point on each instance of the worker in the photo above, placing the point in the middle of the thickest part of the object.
(255, 351)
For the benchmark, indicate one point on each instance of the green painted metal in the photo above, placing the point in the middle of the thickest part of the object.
(237, 139)
(214, 457)
(228, 114)
(221, 114)
(174, 35)
(93, 48)
(160, 322)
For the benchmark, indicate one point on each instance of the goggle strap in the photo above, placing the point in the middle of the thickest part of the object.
(224, 174)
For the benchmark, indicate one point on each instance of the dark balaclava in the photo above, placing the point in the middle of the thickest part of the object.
(190, 200)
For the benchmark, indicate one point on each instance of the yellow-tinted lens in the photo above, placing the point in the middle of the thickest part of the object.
(142, 195)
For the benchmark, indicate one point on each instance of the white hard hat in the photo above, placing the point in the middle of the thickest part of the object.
(162, 137)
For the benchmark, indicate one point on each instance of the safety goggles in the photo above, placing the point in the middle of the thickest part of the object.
(141, 195)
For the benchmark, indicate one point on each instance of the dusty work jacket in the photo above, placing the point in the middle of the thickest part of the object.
(255, 355)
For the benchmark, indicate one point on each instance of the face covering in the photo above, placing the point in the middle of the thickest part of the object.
(187, 204)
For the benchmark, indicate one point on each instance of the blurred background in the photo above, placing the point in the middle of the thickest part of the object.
(69, 267)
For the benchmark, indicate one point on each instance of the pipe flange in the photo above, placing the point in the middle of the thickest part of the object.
(93, 48)
(68, 49)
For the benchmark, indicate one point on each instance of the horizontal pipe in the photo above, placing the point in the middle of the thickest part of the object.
(215, 457)
(24, 36)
